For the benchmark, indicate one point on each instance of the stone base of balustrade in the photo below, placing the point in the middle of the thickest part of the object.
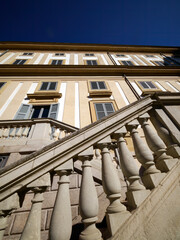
(151, 181)
(115, 220)
(166, 165)
(174, 151)
(135, 198)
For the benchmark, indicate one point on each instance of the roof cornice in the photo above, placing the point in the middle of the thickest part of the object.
(84, 47)
(74, 70)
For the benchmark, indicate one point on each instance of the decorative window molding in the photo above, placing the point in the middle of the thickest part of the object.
(48, 86)
(148, 87)
(19, 61)
(46, 91)
(27, 111)
(27, 54)
(89, 54)
(98, 88)
(91, 62)
(149, 56)
(127, 63)
(59, 54)
(57, 62)
(102, 108)
(158, 63)
(120, 55)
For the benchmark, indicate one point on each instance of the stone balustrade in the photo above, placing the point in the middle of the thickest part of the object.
(94, 141)
(24, 129)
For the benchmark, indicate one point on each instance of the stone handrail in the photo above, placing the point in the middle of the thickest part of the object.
(14, 129)
(33, 171)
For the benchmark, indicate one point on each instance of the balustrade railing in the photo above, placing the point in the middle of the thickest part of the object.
(33, 173)
(19, 129)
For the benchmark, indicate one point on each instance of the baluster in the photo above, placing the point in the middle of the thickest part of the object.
(55, 134)
(151, 176)
(88, 201)
(97, 154)
(32, 229)
(1, 132)
(6, 132)
(19, 132)
(61, 220)
(136, 193)
(66, 133)
(116, 212)
(12, 132)
(163, 161)
(7, 206)
(25, 132)
(172, 148)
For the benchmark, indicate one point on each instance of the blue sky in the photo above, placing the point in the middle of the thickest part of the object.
(127, 22)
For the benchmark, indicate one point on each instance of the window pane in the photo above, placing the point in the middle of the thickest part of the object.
(53, 62)
(109, 107)
(143, 84)
(99, 106)
(102, 85)
(52, 86)
(53, 115)
(36, 112)
(100, 115)
(94, 85)
(94, 62)
(44, 86)
(45, 112)
(24, 108)
(54, 107)
(151, 85)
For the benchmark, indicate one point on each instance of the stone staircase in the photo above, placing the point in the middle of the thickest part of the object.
(71, 175)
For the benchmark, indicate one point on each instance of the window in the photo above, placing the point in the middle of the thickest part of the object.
(3, 160)
(91, 62)
(147, 85)
(89, 54)
(150, 56)
(20, 61)
(48, 86)
(57, 62)
(120, 55)
(27, 54)
(103, 109)
(127, 63)
(158, 63)
(2, 84)
(27, 111)
(59, 54)
(98, 85)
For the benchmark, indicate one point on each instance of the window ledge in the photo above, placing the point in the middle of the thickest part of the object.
(100, 93)
(44, 95)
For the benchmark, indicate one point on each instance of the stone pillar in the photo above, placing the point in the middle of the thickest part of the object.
(88, 202)
(7, 206)
(32, 229)
(163, 161)
(116, 212)
(151, 176)
(61, 220)
(136, 193)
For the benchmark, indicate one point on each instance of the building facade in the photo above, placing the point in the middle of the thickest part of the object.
(48, 91)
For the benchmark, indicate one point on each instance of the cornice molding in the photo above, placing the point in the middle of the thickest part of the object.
(85, 47)
(74, 70)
